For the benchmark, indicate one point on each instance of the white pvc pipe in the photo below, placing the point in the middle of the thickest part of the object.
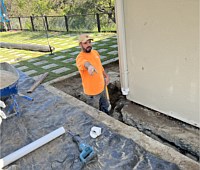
(30, 147)
(122, 46)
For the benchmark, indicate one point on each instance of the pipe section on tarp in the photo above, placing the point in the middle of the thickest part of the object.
(30, 147)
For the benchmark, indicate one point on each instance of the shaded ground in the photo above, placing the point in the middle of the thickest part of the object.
(174, 133)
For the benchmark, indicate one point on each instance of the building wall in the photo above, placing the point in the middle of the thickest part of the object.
(162, 53)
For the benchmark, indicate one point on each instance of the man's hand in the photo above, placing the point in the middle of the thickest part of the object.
(91, 70)
(107, 80)
(106, 77)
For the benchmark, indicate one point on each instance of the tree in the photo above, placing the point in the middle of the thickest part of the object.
(60, 7)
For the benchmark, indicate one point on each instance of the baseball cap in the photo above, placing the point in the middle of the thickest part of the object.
(84, 37)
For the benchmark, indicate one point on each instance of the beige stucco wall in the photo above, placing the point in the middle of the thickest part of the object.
(162, 52)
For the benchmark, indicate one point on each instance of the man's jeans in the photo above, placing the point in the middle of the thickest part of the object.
(99, 101)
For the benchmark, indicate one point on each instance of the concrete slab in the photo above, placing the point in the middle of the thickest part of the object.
(114, 46)
(19, 55)
(65, 51)
(16, 64)
(68, 60)
(33, 60)
(27, 57)
(30, 72)
(40, 63)
(61, 70)
(75, 53)
(113, 52)
(49, 66)
(102, 50)
(22, 68)
(102, 57)
(101, 45)
(59, 57)
(105, 40)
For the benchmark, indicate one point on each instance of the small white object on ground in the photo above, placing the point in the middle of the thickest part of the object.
(2, 104)
(95, 132)
(2, 114)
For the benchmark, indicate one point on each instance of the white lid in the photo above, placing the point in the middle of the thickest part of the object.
(95, 131)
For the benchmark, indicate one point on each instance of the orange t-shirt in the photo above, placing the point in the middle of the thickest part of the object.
(92, 84)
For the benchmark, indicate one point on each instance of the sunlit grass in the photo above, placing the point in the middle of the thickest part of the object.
(65, 45)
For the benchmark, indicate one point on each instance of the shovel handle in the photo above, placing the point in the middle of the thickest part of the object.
(107, 94)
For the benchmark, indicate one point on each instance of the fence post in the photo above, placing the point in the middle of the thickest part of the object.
(9, 25)
(98, 23)
(20, 24)
(46, 22)
(66, 23)
(31, 17)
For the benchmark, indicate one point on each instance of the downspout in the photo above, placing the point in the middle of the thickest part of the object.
(119, 10)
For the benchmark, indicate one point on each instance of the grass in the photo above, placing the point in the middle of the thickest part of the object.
(66, 50)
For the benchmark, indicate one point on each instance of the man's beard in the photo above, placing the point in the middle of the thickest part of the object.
(88, 49)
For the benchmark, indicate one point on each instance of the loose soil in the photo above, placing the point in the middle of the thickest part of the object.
(6, 78)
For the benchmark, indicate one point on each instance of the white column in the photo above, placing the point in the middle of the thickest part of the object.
(122, 46)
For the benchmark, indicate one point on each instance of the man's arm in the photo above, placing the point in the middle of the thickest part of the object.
(91, 69)
(106, 76)
(87, 64)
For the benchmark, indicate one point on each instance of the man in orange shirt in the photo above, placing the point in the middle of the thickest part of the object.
(94, 77)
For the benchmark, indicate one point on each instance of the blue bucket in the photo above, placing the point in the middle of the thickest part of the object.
(12, 88)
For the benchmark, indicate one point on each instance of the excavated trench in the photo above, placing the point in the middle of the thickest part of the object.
(181, 136)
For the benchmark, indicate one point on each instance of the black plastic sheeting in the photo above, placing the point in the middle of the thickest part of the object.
(31, 47)
(48, 112)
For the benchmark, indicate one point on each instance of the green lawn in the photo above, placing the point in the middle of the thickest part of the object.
(63, 58)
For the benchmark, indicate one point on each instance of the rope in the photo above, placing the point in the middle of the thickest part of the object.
(47, 35)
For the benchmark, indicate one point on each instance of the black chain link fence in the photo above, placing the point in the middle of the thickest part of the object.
(69, 23)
